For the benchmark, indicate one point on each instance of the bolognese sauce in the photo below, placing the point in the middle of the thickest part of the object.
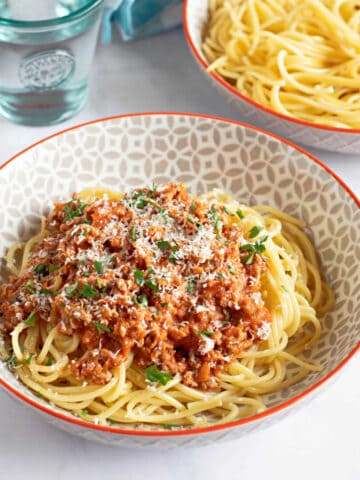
(158, 273)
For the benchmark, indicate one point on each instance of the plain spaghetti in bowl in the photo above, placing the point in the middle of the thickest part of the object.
(291, 67)
(301, 59)
(161, 308)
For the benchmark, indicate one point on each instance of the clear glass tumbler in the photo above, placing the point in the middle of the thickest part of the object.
(46, 51)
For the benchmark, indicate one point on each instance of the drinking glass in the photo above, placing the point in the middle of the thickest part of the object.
(46, 51)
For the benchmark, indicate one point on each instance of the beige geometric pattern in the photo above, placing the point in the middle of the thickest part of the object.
(196, 13)
(204, 153)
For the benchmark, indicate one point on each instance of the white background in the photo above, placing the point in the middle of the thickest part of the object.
(319, 442)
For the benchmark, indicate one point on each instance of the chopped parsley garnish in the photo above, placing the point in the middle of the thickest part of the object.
(163, 245)
(45, 291)
(169, 426)
(220, 275)
(253, 248)
(232, 271)
(215, 219)
(226, 210)
(49, 361)
(206, 333)
(152, 283)
(29, 286)
(111, 422)
(139, 277)
(102, 328)
(133, 234)
(87, 222)
(153, 374)
(141, 300)
(240, 214)
(38, 394)
(191, 286)
(164, 304)
(151, 270)
(191, 219)
(84, 412)
(87, 291)
(41, 269)
(193, 207)
(254, 232)
(28, 360)
(30, 321)
(99, 267)
(84, 233)
(52, 268)
(142, 199)
(74, 209)
(12, 361)
(71, 289)
(174, 254)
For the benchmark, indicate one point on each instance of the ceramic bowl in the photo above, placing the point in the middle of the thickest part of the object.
(203, 152)
(299, 131)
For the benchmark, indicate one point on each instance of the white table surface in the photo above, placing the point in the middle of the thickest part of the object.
(319, 442)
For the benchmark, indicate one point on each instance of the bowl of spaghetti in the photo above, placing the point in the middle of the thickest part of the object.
(290, 67)
(173, 279)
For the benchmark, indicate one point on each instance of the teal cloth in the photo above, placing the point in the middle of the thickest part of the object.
(139, 18)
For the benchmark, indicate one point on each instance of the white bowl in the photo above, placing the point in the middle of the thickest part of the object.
(299, 131)
(203, 152)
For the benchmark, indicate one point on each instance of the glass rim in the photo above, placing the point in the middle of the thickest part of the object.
(82, 11)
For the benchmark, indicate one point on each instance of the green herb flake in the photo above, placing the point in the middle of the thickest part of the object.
(153, 374)
(99, 267)
(283, 288)
(193, 207)
(12, 361)
(191, 286)
(87, 222)
(191, 219)
(164, 304)
(49, 361)
(206, 333)
(226, 210)
(30, 321)
(240, 214)
(45, 291)
(232, 271)
(84, 412)
(150, 270)
(220, 275)
(52, 268)
(41, 269)
(163, 245)
(28, 360)
(174, 254)
(133, 233)
(248, 260)
(152, 283)
(169, 426)
(139, 277)
(111, 422)
(74, 209)
(38, 394)
(29, 286)
(215, 219)
(141, 300)
(87, 291)
(254, 232)
(71, 289)
(102, 328)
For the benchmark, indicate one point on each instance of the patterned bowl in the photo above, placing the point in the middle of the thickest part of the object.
(203, 152)
(299, 131)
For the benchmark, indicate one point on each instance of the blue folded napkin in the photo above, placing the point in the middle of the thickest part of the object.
(139, 18)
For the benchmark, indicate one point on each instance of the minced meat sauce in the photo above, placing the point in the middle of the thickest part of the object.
(157, 273)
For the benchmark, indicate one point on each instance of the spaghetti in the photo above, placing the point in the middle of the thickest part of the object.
(222, 299)
(301, 59)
